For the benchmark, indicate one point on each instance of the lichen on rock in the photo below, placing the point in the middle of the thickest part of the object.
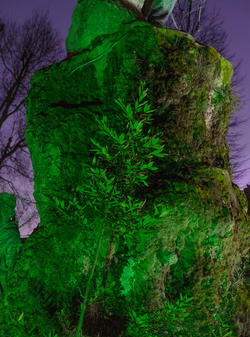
(197, 237)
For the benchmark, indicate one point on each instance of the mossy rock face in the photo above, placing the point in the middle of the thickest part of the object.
(198, 238)
(9, 236)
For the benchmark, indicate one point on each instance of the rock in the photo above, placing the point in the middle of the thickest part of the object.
(9, 236)
(247, 193)
(192, 247)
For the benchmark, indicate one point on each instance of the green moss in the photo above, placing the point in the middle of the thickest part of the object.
(226, 71)
(192, 226)
(9, 237)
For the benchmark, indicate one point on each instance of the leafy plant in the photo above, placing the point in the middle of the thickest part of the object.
(52, 335)
(221, 333)
(109, 195)
(169, 322)
(163, 322)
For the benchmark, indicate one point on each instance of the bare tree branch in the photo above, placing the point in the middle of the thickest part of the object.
(24, 49)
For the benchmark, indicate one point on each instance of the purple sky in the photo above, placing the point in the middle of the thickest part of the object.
(236, 16)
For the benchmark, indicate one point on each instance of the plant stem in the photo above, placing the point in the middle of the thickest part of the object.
(80, 323)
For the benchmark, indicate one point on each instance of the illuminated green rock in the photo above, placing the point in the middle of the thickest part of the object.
(9, 236)
(195, 244)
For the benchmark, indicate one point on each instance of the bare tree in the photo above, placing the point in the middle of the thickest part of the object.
(24, 49)
(238, 158)
(1, 26)
(236, 150)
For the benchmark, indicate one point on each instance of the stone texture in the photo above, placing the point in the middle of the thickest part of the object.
(9, 236)
(195, 249)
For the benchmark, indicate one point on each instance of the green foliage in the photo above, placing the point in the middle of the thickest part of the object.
(51, 334)
(168, 321)
(106, 203)
(130, 162)
(173, 320)
(131, 155)
(106, 196)
(219, 329)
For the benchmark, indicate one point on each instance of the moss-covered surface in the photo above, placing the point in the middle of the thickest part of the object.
(194, 248)
(9, 236)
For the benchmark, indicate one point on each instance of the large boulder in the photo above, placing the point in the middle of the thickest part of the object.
(199, 238)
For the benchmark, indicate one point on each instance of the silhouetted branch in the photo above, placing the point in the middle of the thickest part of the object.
(24, 49)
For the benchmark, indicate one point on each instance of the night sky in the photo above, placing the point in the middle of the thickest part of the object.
(236, 16)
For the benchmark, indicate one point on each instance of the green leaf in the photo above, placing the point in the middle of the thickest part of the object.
(104, 119)
(146, 108)
(189, 299)
(21, 316)
(121, 104)
(136, 105)
(129, 111)
(121, 138)
(148, 144)
(166, 212)
(139, 126)
(109, 188)
(156, 210)
(154, 168)
(219, 318)
(157, 154)
(155, 140)
(142, 95)
(94, 161)
(95, 143)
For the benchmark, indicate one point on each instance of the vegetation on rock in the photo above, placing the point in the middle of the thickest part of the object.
(119, 240)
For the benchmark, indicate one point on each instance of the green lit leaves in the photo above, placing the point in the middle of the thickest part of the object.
(104, 129)
(60, 203)
(177, 312)
(118, 168)
(169, 321)
(221, 333)
(121, 138)
(21, 319)
(103, 151)
(72, 207)
(128, 113)
(102, 173)
(141, 93)
(131, 152)
(148, 166)
(130, 206)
